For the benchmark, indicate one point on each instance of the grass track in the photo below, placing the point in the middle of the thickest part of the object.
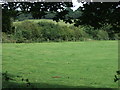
(78, 64)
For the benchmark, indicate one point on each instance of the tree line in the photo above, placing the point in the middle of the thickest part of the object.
(101, 16)
(43, 31)
(50, 15)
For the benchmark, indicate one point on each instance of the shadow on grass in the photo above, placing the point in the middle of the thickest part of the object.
(20, 86)
(9, 81)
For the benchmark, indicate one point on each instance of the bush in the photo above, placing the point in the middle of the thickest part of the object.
(117, 36)
(27, 31)
(102, 35)
(79, 33)
(109, 29)
(89, 32)
(55, 32)
(8, 38)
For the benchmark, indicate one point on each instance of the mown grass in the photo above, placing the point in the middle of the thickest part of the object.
(90, 64)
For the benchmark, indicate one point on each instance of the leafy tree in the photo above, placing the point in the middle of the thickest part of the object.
(77, 13)
(24, 16)
(49, 15)
(95, 14)
(37, 9)
(8, 15)
(98, 14)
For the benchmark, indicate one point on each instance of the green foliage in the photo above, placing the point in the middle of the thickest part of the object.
(79, 33)
(40, 31)
(108, 28)
(24, 16)
(49, 15)
(91, 32)
(8, 16)
(95, 14)
(117, 36)
(49, 30)
(55, 32)
(102, 35)
(27, 31)
(77, 13)
(8, 38)
(6, 23)
(117, 78)
(36, 10)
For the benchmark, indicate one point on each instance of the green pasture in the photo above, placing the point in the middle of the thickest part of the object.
(90, 64)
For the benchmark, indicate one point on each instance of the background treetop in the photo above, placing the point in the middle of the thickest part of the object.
(95, 14)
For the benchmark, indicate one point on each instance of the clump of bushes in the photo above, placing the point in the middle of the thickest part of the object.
(9, 38)
(28, 31)
(102, 35)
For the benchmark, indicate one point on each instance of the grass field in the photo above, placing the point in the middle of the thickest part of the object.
(90, 64)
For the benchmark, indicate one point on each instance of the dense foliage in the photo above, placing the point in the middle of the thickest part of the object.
(100, 14)
(100, 21)
(28, 31)
(37, 10)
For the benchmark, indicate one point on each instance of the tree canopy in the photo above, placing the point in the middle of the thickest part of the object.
(95, 14)
(37, 9)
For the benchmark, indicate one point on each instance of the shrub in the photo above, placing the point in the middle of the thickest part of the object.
(77, 33)
(27, 30)
(50, 31)
(102, 35)
(8, 38)
(109, 29)
(90, 32)
(117, 36)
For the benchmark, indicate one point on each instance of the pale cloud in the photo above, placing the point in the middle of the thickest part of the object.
(76, 5)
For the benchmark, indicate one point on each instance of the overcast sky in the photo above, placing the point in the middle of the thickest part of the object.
(76, 5)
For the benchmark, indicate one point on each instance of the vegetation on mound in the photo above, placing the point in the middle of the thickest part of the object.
(47, 30)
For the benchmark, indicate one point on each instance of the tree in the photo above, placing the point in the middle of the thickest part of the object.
(8, 14)
(37, 9)
(24, 16)
(77, 13)
(49, 15)
(95, 14)
(98, 14)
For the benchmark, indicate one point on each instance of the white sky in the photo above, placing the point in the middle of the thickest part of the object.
(76, 5)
